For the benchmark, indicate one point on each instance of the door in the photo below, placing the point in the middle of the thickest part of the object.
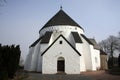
(61, 64)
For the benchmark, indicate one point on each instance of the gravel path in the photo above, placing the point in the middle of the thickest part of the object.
(38, 76)
(101, 75)
(96, 75)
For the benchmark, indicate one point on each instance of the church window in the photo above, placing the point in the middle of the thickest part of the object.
(75, 28)
(60, 42)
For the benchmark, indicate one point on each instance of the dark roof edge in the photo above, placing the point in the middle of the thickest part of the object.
(47, 37)
(96, 46)
(59, 25)
(34, 43)
(86, 39)
(65, 40)
(66, 15)
(76, 37)
(102, 52)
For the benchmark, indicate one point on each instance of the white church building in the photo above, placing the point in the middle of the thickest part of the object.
(62, 47)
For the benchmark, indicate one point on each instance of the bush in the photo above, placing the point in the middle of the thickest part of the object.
(9, 60)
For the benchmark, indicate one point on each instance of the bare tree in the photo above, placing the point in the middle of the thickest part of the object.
(110, 45)
(119, 41)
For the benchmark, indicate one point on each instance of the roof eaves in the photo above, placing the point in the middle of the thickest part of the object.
(61, 18)
(96, 46)
(65, 40)
(33, 44)
(76, 37)
(87, 39)
(46, 37)
(102, 52)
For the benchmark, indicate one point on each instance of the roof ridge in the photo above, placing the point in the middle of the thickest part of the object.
(65, 40)
(61, 18)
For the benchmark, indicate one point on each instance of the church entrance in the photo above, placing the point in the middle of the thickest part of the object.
(60, 64)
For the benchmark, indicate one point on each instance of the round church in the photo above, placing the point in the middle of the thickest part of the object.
(62, 47)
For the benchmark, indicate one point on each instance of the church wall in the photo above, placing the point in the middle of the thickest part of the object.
(74, 63)
(66, 33)
(87, 54)
(28, 60)
(35, 57)
(93, 56)
(64, 30)
(61, 28)
(82, 61)
(103, 59)
(39, 64)
(51, 39)
(97, 55)
(72, 59)
(43, 47)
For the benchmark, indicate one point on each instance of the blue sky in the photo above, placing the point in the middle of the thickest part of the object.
(21, 20)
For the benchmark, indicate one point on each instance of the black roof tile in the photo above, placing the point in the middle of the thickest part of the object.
(61, 18)
(32, 45)
(46, 37)
(76, 37)
(86, 39)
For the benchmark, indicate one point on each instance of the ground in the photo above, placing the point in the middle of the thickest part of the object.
(94, 75)
(101, 75)
(37, 76)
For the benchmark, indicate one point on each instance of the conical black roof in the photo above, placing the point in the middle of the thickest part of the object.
(61, 18)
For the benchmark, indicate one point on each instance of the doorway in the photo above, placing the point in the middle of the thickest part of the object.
(60, 64)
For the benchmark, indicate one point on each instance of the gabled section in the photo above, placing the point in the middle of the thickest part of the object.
(86, 39)
(76, 37)
(96, 46)
(61, 18)
(32, 45)
(63, 43)
(46, 37)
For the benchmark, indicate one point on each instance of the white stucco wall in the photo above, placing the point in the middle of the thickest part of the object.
(82, 59)
(72, 59)
(97, 55)
(93, 58)
(87, 54)
(43, 47)
(61, 28)
(39, 64)
(35, 57)
(28, 60)
(67, 34)
(73, 62)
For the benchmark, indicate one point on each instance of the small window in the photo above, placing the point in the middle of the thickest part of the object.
(75, 28)
(60, 42)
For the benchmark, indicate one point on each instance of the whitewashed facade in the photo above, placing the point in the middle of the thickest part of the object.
(62, 46)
